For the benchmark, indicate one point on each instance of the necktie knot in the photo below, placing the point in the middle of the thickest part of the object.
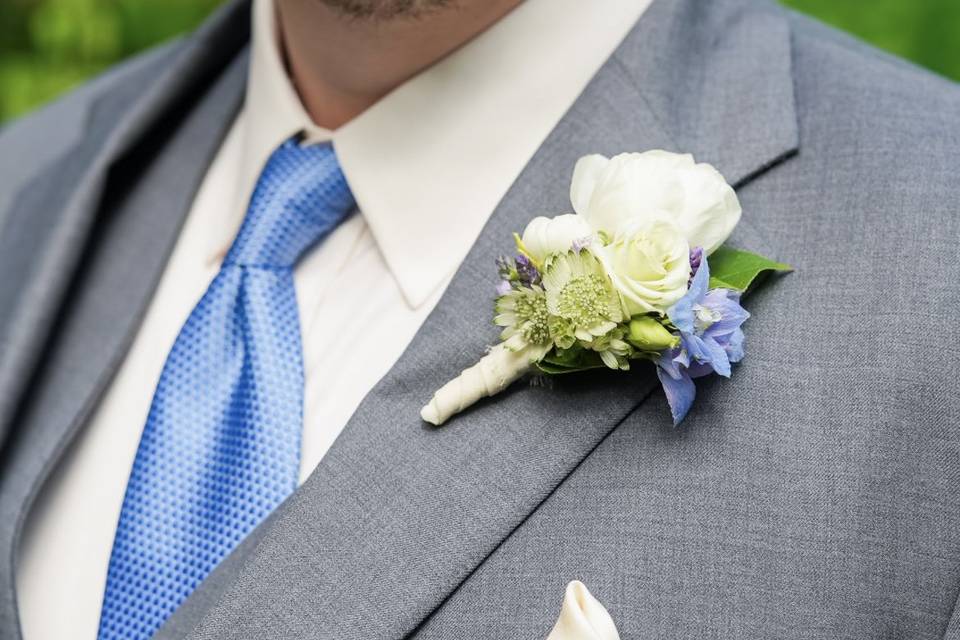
(300, 197)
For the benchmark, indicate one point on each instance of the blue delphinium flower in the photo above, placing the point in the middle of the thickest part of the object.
(711, 339)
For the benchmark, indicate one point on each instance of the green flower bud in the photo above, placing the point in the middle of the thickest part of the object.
(647, 334)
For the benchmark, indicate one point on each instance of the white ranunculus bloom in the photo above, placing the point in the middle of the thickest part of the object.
(544, 236)
(649, 264)
(614, 193)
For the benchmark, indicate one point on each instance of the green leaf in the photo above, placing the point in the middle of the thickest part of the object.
(569, 361)
(737, 269)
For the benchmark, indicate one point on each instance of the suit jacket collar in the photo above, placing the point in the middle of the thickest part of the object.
(398, 514)
(717, 77)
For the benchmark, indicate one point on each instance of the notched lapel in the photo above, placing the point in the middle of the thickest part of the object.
(718, 77)
(398, 514)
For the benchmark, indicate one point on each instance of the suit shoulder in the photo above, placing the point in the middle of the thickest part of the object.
(852, 81)
(874, 117)
(32, 142)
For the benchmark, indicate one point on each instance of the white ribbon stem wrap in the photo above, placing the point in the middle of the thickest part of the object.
(494, 373)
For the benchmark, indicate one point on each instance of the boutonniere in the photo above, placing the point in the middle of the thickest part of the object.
(638, 273)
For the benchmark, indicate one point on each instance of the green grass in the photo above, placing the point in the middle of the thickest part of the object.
(50, 46)
(925, 31)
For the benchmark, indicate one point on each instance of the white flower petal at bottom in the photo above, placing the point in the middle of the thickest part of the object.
(582, 617)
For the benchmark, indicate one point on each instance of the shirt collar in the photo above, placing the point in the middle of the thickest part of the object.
(429, 162)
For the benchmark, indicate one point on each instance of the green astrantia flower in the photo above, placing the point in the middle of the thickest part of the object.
(582, 302)
(522, 312)
(612, 348)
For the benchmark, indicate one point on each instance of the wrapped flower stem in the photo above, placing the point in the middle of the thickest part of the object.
(491, 375)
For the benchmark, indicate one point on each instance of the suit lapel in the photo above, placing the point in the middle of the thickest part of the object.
(89, 257)
(398, 514)
(51, 223)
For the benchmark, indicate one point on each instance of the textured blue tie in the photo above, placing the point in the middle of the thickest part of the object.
(221, 447)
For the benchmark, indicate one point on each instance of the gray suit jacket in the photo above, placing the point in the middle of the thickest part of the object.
(816, 494)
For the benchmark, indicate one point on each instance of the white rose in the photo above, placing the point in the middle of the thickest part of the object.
(649, 264)
(544, 236)
(613, 193)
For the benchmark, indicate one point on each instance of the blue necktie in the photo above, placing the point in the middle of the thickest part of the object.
(221, 447)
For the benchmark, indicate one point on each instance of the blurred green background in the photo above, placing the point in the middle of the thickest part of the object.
(49, 46)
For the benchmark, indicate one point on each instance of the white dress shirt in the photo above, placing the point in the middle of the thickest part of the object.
(427, 165)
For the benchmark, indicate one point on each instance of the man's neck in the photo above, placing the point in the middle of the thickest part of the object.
(341, 64)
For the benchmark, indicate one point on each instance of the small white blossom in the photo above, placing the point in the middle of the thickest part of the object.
(544, 236)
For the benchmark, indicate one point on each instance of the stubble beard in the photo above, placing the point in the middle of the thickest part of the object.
(383, 10)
